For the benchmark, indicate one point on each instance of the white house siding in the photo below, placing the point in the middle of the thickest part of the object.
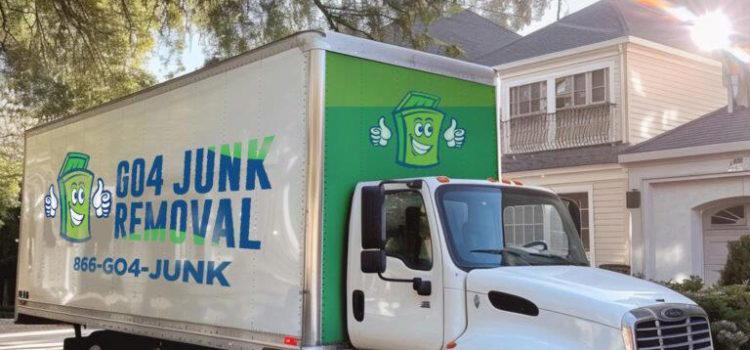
(608, 184)
(549, 70)
(665, 90)
(668, 242)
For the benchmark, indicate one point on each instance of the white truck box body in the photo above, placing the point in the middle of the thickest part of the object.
(265, 108)
(265, 285)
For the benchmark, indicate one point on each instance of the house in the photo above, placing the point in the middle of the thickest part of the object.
(577, 93)
(694, 187)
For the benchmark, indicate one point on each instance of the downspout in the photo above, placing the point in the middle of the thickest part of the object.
(730, 80)
(624, 131)
(499, 121)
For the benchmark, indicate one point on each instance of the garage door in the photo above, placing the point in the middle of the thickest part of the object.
(721, 226)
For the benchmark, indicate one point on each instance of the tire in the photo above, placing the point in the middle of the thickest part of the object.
(77, 344)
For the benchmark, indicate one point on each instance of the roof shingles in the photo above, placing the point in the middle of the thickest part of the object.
(472, 33)
(714, 128)
(602, 21)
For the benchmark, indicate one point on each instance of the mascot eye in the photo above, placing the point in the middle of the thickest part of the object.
(81, 195)
(418, 129)
(74, 196)
(428, 129)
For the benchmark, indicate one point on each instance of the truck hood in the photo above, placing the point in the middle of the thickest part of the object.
(584, 292)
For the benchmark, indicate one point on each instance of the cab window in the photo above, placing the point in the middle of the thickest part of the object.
(407, 230)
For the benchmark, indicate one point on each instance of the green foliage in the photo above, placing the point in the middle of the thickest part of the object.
(737, 269)
(729, 335)
(728, 309)
(61, 56)
(692, 284)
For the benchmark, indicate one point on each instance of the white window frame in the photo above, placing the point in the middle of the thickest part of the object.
(715, 210)
(614, 93)
(588, 189)
(588, 89)
(551, 76)
(544, 96)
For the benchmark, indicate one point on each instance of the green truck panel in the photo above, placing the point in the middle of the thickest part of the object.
(384, 122)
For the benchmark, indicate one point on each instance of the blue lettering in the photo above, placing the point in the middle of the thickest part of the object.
(135, 219)
(255, 168)
(121, 215)
(155, 230)
(172, 277)
(139, 169)
(178, 221)
(217, 273)
(224, 226)
(190, 270)
(182, 189)
(204, 185)
(229, 168)
(122, 178)
(245, 242)
(200, 224)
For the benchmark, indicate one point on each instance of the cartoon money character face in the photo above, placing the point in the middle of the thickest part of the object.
(75, 183)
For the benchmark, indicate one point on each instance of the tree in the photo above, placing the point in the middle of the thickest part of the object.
(260, 21)
(737, 269)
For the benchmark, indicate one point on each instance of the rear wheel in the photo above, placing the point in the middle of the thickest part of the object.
(108, 340)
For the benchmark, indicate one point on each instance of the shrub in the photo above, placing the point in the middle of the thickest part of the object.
(691, 285)
(737, 269)
(728, 335)
(728, 309)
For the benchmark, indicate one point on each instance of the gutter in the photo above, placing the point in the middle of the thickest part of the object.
(730, 147)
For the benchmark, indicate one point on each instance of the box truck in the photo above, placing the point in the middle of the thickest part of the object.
(320, 192)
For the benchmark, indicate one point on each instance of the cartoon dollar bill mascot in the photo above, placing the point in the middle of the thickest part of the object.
(418, 128)
(74, 182)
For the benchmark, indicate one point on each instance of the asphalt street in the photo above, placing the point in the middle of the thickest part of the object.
(33, 337)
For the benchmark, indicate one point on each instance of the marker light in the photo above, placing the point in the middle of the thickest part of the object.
(443, 179)
(451, 345)
(290, 341)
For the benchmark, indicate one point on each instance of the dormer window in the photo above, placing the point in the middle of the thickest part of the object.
(528, 99)
(582, 89)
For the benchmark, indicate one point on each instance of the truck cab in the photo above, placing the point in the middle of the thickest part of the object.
(439, 263)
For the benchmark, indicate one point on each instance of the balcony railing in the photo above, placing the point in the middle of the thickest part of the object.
(576, 127)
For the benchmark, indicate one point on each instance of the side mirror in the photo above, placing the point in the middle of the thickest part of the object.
(575, 213)
(372, 261)
(373, 218)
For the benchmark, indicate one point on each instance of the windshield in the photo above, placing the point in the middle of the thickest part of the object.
(489, 226)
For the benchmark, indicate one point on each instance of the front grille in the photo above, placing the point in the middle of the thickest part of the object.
(687, 334)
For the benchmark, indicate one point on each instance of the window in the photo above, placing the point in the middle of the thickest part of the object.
(487, 226)
(729, 216)
(582, 200)
(523, 224)
(527, 224)
(407, 230)
(582, 89)
(528, 99)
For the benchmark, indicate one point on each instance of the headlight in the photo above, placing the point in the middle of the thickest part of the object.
(628, 335)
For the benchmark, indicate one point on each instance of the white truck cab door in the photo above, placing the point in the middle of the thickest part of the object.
(388, 315)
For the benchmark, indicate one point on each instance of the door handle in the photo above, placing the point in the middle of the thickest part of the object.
(358, 305)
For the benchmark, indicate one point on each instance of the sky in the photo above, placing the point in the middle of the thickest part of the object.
(193, 57)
